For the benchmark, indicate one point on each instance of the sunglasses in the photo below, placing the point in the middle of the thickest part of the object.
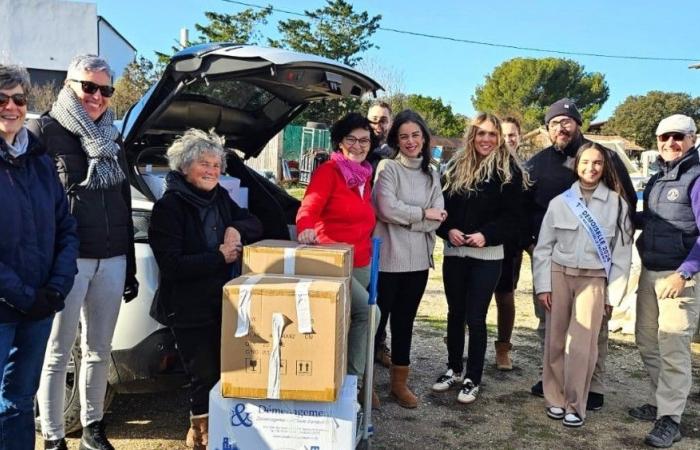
(90, 88)
(19, 99)
(676, 137)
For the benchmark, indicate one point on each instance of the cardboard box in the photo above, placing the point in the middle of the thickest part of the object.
(284, 337)
(292, 258)
(243, 424)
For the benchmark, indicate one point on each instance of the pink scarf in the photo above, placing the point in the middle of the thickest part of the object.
(354, 173)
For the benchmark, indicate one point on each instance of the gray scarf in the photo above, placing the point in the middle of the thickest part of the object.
(98, 139)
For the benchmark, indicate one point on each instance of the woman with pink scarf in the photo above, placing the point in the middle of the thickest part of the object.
(337, 207)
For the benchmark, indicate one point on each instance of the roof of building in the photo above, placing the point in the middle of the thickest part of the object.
(102, 19)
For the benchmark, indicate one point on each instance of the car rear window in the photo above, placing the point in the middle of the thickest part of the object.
(231, 93)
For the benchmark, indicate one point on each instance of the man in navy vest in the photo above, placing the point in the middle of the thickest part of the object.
(668, 299)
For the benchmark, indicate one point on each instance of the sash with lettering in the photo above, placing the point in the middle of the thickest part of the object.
(592, 228)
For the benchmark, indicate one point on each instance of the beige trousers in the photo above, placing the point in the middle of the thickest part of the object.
(571, 336)
(597, 382)
(663, 331)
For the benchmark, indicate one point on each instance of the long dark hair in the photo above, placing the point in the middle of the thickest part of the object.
(612, 181)
(392, 138)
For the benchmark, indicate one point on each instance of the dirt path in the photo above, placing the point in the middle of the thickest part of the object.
(505, 416)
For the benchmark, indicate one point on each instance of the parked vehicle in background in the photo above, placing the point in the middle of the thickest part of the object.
(247, 94)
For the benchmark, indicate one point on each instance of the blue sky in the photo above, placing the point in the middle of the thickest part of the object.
(452, 70)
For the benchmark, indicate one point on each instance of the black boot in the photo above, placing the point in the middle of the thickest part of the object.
(94, 437)
(58, 444)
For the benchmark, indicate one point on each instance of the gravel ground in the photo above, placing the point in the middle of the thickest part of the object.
(505, 416)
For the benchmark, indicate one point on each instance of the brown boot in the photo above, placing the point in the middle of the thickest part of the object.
(503, 361)
(382, 355)
(198, 434)
(399, 389)
(376, 404)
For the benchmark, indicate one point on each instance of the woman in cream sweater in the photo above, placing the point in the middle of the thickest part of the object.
(581, 265)
(409, 205)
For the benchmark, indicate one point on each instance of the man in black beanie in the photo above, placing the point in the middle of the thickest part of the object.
(552, 172)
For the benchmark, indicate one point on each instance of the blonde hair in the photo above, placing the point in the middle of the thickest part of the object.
(467, 168)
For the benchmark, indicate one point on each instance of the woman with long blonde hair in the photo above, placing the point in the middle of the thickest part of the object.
(483, 190)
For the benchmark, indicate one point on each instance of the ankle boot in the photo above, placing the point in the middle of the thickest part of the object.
(376, 404)
(503, 361)
(94, 437)
(58, 444)
(399, 389)
(382, 355)
(198, 434)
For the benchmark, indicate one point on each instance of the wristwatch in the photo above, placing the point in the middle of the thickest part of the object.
(685, 275)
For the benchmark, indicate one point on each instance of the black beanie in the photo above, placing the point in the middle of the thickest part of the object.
(563, 107)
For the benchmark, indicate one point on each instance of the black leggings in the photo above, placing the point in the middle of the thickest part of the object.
(469, 285)
(200, 352)
(398, 297)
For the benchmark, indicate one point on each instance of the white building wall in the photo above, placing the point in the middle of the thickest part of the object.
(46, 34)
(114, 49)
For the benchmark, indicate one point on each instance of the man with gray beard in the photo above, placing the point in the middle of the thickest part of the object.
(551, 171)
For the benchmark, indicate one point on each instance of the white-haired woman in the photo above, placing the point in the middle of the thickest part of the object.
(196, 234)
(79, 134)
(38, 250)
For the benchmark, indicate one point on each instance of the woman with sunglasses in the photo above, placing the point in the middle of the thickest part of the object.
(38, 250)
(337, 207)
(483, 191)
(78, 132)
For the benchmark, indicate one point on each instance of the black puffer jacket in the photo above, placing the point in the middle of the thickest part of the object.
(105, 225)
(192, 273)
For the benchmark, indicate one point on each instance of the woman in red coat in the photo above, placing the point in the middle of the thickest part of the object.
(337, 207)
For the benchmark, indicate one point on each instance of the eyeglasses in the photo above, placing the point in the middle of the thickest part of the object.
(19, 99)
(564, 123)
(90, 88)
(352, 140)
(675, 136)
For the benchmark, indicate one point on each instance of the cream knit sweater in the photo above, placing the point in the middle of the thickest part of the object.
(401, 193)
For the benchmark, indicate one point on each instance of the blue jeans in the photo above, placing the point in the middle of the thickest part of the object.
(22, 347)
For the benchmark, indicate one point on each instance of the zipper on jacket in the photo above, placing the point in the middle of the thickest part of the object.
(104, 208)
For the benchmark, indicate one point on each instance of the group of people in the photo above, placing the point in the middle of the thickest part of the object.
(572, 207)
(67, 253)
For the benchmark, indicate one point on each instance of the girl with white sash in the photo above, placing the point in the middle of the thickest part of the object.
(581, 266)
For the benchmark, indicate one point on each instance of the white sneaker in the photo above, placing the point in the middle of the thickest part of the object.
(446, 381)
(572, 420)
(468, 392)
(556, 413)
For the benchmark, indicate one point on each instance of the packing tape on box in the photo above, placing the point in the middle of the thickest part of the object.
(290, 255)
(245, 295)
(301, 294)
(273, 375)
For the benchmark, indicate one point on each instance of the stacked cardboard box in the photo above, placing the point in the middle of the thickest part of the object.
(285, 323)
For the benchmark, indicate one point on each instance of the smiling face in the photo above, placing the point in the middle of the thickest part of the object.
(355, 145)
(511, 136)
(486, 138)
(11, 115)
(562, 130)
(411, 140)
(95, 104)
(674, 145)
(590, 167)
(380, 120)
(204, 173)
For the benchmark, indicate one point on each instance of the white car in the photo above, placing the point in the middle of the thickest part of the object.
(247, 94)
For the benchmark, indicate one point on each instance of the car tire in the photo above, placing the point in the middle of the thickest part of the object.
(71, 411)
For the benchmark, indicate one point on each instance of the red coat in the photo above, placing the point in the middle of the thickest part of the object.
(338, 213)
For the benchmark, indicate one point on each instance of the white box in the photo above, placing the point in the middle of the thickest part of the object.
(244, 424)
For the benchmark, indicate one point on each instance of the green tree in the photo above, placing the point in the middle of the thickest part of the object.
(525, 87)
(335, 31)
(241, 28)
(138, 76)
(637, 117)
(440, 118)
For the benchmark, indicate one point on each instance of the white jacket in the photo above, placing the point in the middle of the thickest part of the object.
(564, 240)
